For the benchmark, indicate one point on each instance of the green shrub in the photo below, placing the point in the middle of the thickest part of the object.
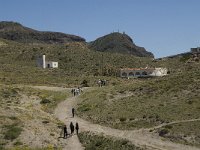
(84, 83)
(98, 143)
(163, 132)
(84, 108)
(12, 132)
(13, 118)
(2, 147)
(122, 119)
(168, 127)
(45, 101)
(93, 142)
(17, 143)
(185, 57)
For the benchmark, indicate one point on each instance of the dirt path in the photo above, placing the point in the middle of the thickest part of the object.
(73, 143)
(142, 137)
(173, 122)
(50, 88)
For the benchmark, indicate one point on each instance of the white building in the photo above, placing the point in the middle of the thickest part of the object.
(41, 62)
(142, 72)
(158, 72)
(51, 64)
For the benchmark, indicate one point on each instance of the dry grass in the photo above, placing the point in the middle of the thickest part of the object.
(184, 133)
(24, 124)
(144, 103)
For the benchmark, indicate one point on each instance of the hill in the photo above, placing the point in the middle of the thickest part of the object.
(119, 43)
(76, 63)
(167, 106)
(16, 32)
(114, 42)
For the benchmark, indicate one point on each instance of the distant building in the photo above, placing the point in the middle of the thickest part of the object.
(195, 50)
(195, 54)
(142, 72)
(41, 62)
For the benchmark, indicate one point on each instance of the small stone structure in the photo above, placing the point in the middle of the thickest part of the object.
(142, 72)
(195, 54)
(195, 50)
(41, 62)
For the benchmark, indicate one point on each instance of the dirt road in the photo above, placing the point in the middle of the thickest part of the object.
(142, 137)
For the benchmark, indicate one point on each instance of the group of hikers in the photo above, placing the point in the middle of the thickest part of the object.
(76, 91)
(101, 82)
(72, 127)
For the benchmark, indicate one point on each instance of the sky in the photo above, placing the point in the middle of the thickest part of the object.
(163, 27)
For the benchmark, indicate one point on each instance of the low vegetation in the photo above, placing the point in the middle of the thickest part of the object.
(143, 103)
(49, 99)
(12, 131)
(76, 64)
(16, 32)
(122, 104)
(184, 133)
(25, 123)
(98, 142)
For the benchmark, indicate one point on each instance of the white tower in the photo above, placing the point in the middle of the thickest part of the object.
(43, 62)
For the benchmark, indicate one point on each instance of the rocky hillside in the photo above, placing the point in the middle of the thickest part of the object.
(16, 32)
(114, 42)
(119, 43)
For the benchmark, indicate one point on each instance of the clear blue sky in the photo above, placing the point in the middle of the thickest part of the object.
(164, 27)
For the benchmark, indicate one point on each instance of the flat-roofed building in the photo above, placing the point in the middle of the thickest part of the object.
(142, 72)
(41, 62)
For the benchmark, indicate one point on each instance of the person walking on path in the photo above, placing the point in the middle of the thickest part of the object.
(73, 111)
(72, 91)
(77, 128)
(65, 131)
(72, 128)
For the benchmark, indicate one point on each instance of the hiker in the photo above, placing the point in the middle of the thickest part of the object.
(73, 110)
(75, 92)
(77, 128)
(72, 128)
(103, 82)
(72, 91)
(100, 83)
(65, 131)
(79, 91)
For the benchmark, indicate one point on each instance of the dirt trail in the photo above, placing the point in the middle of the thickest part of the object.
(50, 88)
(173, 122)
(142, 137)
(73, 143)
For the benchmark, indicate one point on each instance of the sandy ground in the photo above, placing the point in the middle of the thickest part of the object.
(142, 137)
(40, 129)
(39, 134)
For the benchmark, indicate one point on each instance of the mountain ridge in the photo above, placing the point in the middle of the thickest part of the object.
(16, 32)
(119, 43)
(114, 42)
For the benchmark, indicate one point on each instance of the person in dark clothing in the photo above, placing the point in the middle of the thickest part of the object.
(77, 128)
(72, 128)
(65, 131)
(103, 82)
(73, 111)
(72, 91)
